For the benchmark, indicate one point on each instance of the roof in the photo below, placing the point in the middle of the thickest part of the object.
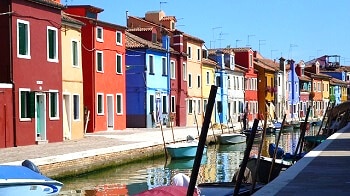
(335, 81)
(49, 3)
(208, 61)
(136, 29)
(304, 78)
(98, 22)
(223, 50)
(193, 38)
(133, 41)
(72, 20)
(243, 49)
(266, 64)
(239, 69)
(169, 18)
(91, 8)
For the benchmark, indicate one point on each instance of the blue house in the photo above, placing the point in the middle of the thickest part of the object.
(294, 91)
(147, 82)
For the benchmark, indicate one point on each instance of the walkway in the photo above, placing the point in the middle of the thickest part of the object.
(323, 171)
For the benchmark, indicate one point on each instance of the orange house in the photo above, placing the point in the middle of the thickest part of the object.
(103, 54)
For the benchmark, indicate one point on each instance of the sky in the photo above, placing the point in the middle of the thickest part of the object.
(298, 30)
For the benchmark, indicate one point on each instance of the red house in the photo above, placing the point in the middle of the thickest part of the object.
(244, 57)
(103, 54)
(31, 63)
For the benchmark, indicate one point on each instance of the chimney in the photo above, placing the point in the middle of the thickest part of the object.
(178, 42)
(282, 66)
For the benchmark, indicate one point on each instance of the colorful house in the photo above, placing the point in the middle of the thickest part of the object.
(31, 47)
(194, 80)
(6, 120)
(103, 54)
(281, 93)
(236, 93)
(267, 69)
(305, 89)
(294, 91)
(72, 79)
(244, 57)
(147, 82)
(208, 79)
(178, 84)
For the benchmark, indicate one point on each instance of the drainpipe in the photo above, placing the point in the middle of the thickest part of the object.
(93, 76)
(11, 79)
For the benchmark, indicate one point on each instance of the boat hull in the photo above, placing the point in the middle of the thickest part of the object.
(20, 180)
(183, 150)
(232, 138)
(226, 188)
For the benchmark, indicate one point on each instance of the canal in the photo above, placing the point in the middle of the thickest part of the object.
(219, 165)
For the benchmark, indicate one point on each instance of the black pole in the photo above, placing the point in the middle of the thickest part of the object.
(246, 157)
(202, 139)
(302, 134)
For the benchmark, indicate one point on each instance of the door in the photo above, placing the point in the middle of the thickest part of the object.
(40, 116)
(110, 112)
(67, 119)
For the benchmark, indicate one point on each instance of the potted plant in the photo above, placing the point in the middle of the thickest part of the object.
(171, 120)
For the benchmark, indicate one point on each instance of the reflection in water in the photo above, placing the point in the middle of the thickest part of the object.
(219, 165)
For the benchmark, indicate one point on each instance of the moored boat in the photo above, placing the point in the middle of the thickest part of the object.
(183, 150)
(232, 138)
(26, 180)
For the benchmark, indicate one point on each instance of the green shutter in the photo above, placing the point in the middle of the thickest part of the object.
(51, 44)
(75, 52)
(119, 64)
(31, 105)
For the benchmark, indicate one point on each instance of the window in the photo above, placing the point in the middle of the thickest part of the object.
(189, 80)
(100, 104)
(119, 38)
(151, 104)
(75, 57)
(23, 39)
(198, 54)
(52, 44)
(205, 103)
(198, 106)
(99, 34)
(164, 106)
(119, 64)
(217, 81)
(207, 80)
(219, 106)
(173, 104)
(26, 104)
(76, 106)
(250, 60)
(199, 81)
(119, 105)
(189, 52)
(150, 64)
(54, 105)
(164, 67)
(190, 107)
(172, 70)
(99, 61)
(184, 71)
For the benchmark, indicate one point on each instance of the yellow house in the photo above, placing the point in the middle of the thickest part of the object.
(194, 80)
(208, 78)
(72, 78)
(325, 94)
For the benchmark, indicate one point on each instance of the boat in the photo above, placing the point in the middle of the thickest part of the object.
(226, 188)
(183, 150)
(265, 163)
(232, 138)
(166, 191)
(26, 179)
(280, 151)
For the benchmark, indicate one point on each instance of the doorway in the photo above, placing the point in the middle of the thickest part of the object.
(110, 112)
(40, 116)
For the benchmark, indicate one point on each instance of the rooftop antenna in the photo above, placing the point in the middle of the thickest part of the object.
(214, 28)
(261, 40)
(291, 46)
(248, 39)
(237, 40)
(160, 4)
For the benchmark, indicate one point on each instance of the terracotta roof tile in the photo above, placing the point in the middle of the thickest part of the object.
(140, 29)
(67, 18)
(169, 18)
(133, 41)
(50, 3)
(208, 61)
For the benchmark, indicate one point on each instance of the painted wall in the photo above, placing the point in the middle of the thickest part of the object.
(44, 75)
(6, 116)
(206, 85)
(72, 78)
(194, 67)
(294, 93)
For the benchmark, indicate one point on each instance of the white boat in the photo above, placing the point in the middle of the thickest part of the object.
(26, 180)
(232, 138)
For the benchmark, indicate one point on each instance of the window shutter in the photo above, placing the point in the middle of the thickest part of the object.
(31, 105)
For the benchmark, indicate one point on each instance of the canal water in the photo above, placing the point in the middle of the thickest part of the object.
(219, 165)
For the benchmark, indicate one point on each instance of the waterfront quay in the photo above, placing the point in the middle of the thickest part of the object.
(98, 150)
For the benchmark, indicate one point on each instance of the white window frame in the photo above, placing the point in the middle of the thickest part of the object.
(55, 59)
(121, 63)
(172, 69)
(99, 52)
(26, 56)
(119, 43)
(77, 53)
(99, 39)
(198, 54)
(189, 52)
(119, 95)
(164, 66)
(20, 90)
(102, 104)
(57, 105)
(150, 63)
(78, 106)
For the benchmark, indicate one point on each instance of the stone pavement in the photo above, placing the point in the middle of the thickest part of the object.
(323, 171)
